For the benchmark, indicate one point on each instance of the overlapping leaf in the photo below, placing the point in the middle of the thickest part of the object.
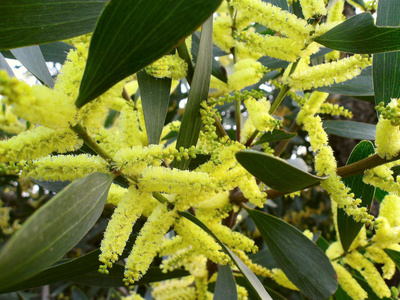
(359, 34)
(131, 34)
(386, 65)
(275, 172)
(348, 228)
(53, 229)
(298, 257)
(351, 129)
(155, 100)
(26, 23)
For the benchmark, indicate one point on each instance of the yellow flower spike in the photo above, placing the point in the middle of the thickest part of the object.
(218, 201)
(242, 293)
(387, 138)
(245, 72)
(9, 122)
(174, 289)
(115, 194)
(65, 167)
(222, 32)
(281, 48)
(379, 256)
(335, 13)
(171, 66)
(335, 110)
(38, 142)
(390, 209)
(349, 284)
(33, 104)
(148, 243)
(313, 8)
(367, 269)
(172, 245)
(386, 235)
(134, 160)
(328, 73)
(197, 265)
(231, 238)
(200, 241)
(255, 268)
(119, 228)
(280, 278)
(275, 18)
(128, 126)
(250, 189)
(177, 260)
(176, 181)
(259, 114)
(334, 250)
(201, 288)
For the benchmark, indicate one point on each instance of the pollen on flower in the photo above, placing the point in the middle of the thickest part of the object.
(259, 114)
(171, 66)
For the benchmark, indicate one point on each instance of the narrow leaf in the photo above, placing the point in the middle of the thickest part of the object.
(359, 2)
(298, 257)
(394, 255)
(249, 276)
(386, 65)
(275, 172)
(54, 229)
(351, 129)
(131, 34)
(191, 120)
(380, 194)
(155, 99)
(347, 227)
(54, 52)
(32, 59)
(359, 86)
(26, 23)
(225, 287)
(217, 70)
(359, 34)
(5, 66)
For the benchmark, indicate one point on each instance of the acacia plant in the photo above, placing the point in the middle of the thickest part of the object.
(178, 121)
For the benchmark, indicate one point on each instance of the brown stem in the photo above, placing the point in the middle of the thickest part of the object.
(251, 138)
(220, 129)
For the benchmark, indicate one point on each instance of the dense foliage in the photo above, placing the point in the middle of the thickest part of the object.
(190, 150)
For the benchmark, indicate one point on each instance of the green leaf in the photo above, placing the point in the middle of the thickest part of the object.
(275, 172)
(5, 66)
(131, 34)
(225, 287)
(26, 23)
(380, 194)
(341, 294)
(394, 255)
(275, 136)
(350, 129)
(360, 2)
(359, 34)
(32, 59)
(298, 257)
(191, 120)
(249, 276)
(54, 52)
(386, 65)
(54, 229)
(155, 100)
(322, 243)
(217, 70)
(359, 86)
(347, 227)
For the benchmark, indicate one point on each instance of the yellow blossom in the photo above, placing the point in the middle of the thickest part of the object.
(259, 114)
(119, 228)
(280, 278)
(245, 72)
(348, 283)
(148, 243)
(128, 125)
(171, 66)
(328, 73)
(313, 8)
(38, 142)
(367, 269)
